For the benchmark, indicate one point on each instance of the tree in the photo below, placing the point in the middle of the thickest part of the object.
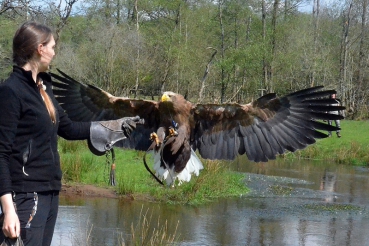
(61, 12)
(344, 86)
(362, 63)
(208, 50)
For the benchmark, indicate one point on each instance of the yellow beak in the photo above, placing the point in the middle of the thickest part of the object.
(165, 98)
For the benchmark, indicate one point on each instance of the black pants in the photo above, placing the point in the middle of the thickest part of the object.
(37, 214)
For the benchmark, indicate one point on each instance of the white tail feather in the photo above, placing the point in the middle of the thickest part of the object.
(193, 166)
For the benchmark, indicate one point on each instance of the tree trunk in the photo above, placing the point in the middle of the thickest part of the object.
(316, 9)
(264, 82)
(107, 10)
(207, 68)
(222, 51)
(63, 16)
(138, 51)
(273, 43)
(343, 60)
(118, 9)
(362, 48)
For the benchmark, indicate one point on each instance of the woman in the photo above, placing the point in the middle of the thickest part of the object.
(30, 120)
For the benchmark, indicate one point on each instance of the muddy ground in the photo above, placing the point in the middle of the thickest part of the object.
(87, 191)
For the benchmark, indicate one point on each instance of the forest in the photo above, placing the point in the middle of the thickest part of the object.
(219, 51)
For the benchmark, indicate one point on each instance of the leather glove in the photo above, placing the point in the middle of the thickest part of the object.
(104, 134)
(129, 125)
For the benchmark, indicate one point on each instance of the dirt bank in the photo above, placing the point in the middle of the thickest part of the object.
(87, 191)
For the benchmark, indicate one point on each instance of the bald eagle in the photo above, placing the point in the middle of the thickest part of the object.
(176, 128)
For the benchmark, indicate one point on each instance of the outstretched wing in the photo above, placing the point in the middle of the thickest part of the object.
(89, 103)
(264, 128)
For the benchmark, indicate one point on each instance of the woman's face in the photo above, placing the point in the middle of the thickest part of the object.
(47, 54)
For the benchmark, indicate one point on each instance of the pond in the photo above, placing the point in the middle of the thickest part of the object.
(291, 203)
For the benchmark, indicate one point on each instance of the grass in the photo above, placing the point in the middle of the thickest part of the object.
(150, 232)
(333, 207)
(351, 149)
(215, 181)
(133, 180)
(147, 231)
(281, 190)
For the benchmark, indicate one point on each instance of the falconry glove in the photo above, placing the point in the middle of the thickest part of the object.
(104, 134)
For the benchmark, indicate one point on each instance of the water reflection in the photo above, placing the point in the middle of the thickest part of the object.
(303, 216)
(328, 185)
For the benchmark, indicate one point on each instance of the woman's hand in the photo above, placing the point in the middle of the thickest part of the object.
(11, 226)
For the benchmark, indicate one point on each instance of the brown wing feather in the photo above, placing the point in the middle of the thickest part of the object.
(89, 103)
(264, 128)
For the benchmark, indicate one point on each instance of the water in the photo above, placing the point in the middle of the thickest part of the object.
(291, 203)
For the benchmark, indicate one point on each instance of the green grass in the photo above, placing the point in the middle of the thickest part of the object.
(79, 165)
(333, 207)
(146, 231)
(141, 234)
(351, 149)
(133, 180)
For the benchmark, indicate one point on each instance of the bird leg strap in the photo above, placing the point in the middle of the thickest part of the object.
(172, 132)
(153, 137)
(111, 164)
(156, 145)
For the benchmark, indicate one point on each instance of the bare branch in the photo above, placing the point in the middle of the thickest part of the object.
(206, 74)
(63, 15)
(11, 5)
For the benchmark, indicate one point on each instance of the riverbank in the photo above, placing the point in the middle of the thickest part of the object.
(350, 149)
(133, 181)
(94, 191)
(88, 175)
(87, 190)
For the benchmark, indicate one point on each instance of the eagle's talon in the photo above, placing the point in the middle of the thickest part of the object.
(154, 137)
(172, 132)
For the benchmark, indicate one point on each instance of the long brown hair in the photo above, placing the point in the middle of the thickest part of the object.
(25, 44)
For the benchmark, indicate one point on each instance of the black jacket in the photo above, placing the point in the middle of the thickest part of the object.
(29, 159)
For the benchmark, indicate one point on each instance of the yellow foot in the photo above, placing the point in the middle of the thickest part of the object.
(154, 137)
(172, 132)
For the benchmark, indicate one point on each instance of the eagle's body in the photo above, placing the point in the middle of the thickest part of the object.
(261, 129)
(174, 153)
